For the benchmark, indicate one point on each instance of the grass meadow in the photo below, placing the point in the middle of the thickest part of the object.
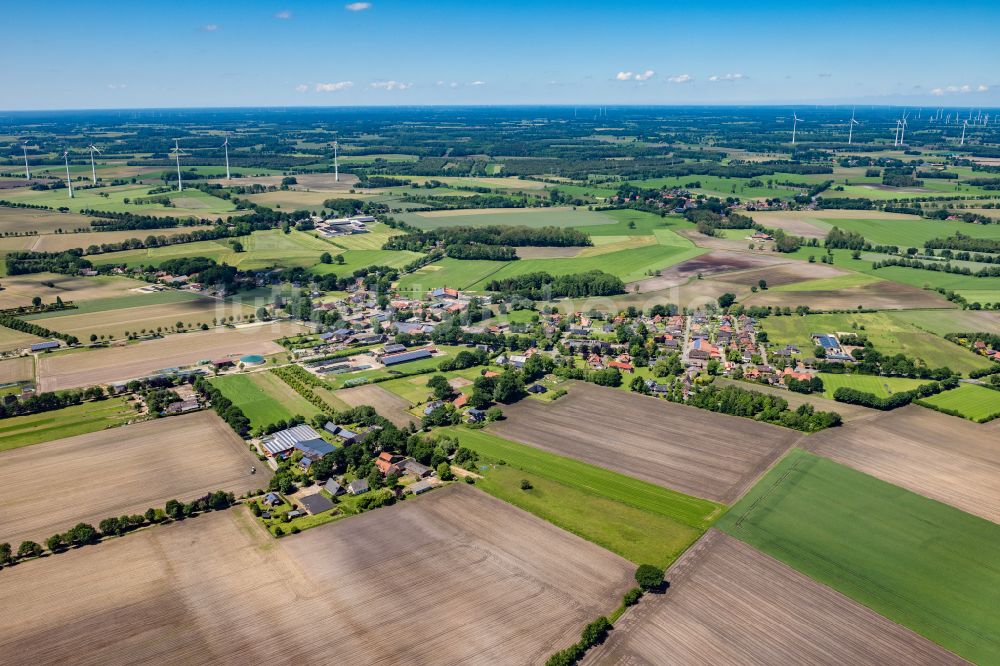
(640, 521)
(263, 397)
(918, 562)
(19, 431)
(976, 403)
(880, 386)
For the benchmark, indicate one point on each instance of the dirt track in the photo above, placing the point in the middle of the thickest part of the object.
(695, 451)
(453, 577)
(730, 604)
(85, 368)
(386, 403)
(48, 488)
(939, 456)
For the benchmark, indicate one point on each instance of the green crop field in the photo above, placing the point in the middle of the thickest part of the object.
(693, 511)
(912, 233)
(888, 334)
(132, 300)
(414, 389)
(880, 386)
(641, 522)
(79, 419)
(976, 403)
(264, 398)
(923, 564)
(186, 204)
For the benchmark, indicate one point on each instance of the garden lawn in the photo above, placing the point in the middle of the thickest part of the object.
(264, 398)
(920, 563)
(19, 431)
(976, 403)
(883, 387)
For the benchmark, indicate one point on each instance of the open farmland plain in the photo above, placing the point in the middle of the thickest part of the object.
(696, 452)
(918, 562)
(72, 370)
(121, 471)
(19, 369)
(455, 577)
(935, 455)
(20, 220)
(11, 339)
(730, 604)
(18, 431)
(148, 312)
(18, 290)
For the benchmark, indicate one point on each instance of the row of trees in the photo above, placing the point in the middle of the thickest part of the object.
(84, 534)
(543, 286)
(902, 398)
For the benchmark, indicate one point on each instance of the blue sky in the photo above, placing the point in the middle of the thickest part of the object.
(389, 52)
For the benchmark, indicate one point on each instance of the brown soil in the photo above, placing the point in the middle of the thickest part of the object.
(386, 403)
(717, 261)
(951, 460)
(17, 369)
(451, 577)
(688, 449)
(731, 604)
(884, 295)
(86, 368)
(120, 471)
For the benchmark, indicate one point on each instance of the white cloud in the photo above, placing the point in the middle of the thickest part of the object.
(958, 90)
(358, 6)
(645, 76)
(478, 83)
(117, 86)
(283, 15)
(726, 77)
(453, 84)
(302, 87)
(391, 85)
(210, 27)
(680, 78)
(624, 76)
(334, 87)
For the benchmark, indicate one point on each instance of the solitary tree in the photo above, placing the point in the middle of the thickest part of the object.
(649, 577)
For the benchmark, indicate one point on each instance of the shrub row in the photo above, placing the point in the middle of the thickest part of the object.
(901, 399)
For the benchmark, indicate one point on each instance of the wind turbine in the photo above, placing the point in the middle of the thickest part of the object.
(27, 172)
(850, 132)
(93, 169)
(225, 144)
(69, 183)
(902, 133)
(336, 165)
(965, 123)
(896, 140)
(176, 150)
(795, 122)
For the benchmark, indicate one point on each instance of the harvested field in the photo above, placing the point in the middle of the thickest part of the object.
(717, 261)
(730, 604)
(20, 289)
(20, 369)
(15, 220)
(879, 296)
(701, 453)
(785, 273)
(386, 403)
(847, 411)
(932, 454)
(149, 316)
(11, 339)
(85, 368)
(454, 577)
(61, 242)
(120, 471)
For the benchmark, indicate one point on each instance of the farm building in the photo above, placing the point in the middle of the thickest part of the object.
(405, 357)
(45, 346)
(333, 487)
(290, 438)
(347, 436)
(419, 487)
(418, 470)
(315, 503)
